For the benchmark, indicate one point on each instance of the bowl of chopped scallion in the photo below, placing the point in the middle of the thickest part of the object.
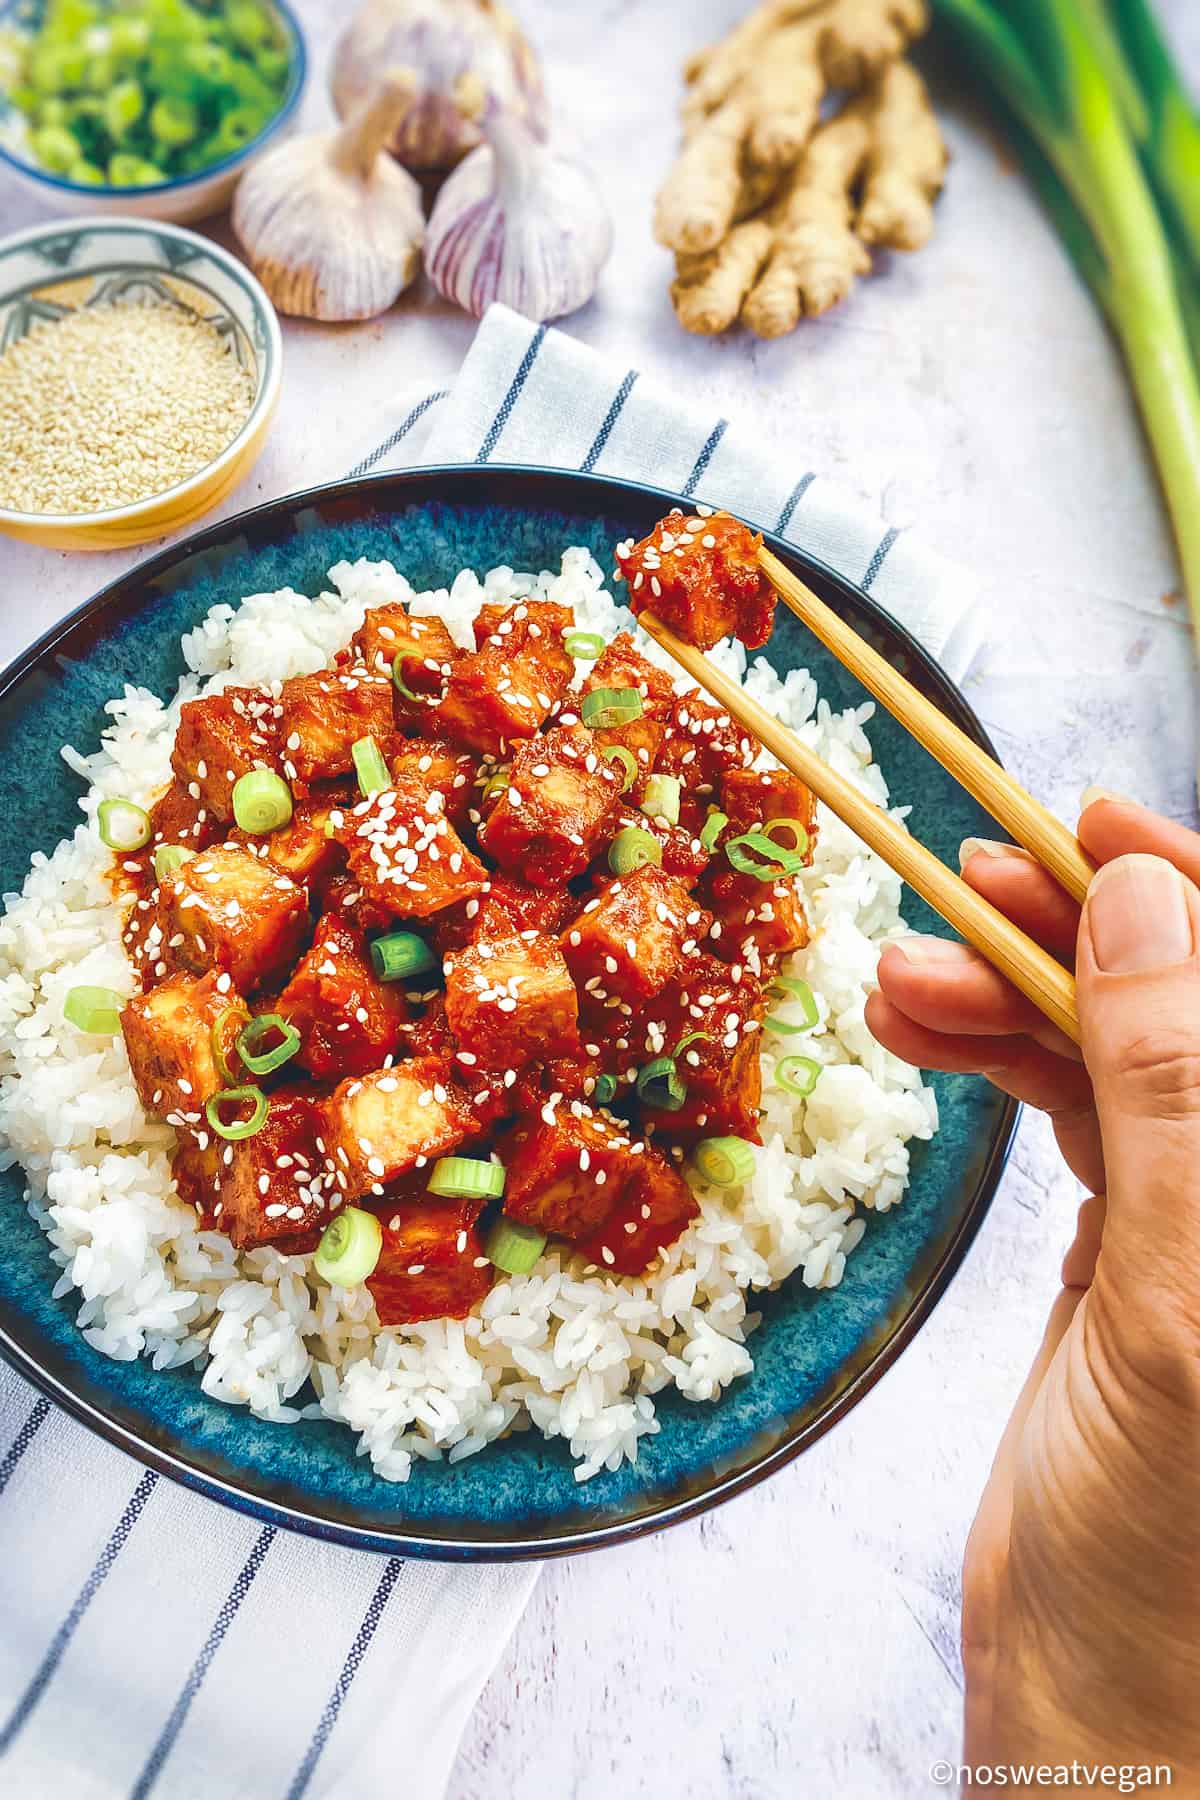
(145, 107)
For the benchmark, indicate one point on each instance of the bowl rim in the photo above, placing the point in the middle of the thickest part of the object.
(266, 393)
(298, 71)
(133, 591)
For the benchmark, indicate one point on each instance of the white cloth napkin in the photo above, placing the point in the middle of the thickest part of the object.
(154, 1643)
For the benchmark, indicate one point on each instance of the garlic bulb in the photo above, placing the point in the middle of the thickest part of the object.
(518, 222)
(330, 224)
(460, 53)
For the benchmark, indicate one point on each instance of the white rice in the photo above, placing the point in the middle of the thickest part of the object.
(580, 1357)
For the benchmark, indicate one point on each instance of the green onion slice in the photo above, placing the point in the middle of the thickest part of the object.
(401, 685)
(372, 771)
(401, 953)
(798, 830)
(349, 1248)
(122, 825)
(512, 1247)
(611, 706)
(661, 799)
(584, 646)
(711, 830)
(691, 1038)
(658, 1084)
(798, 1074)
(219, 1037)
(234, 1130)
(168, 858)
(605, 1089)
(467, 1178)
(94, 1009)
(260, 1061)
(617, 753)
(262, 801)
(786, 987)
(631, 849)
(725, 1161)
(497, 783)
(769, 861)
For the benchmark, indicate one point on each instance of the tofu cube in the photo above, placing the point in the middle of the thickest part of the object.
(509, 998)
(220, 739)
(324, 716)
(168, 1037)
(629, 939)
(432, 1264)
(439, 769)
(424, 643)
(701, 576)
(643, 739)
(547, 824)
(701, 745)
(567, 1171)
(721, 1067)
(196, 1173)
(178, 817)
(405, 857)
(754, 921)
(752, 797)
(509, 688)
(230, 909)
(348, 1019)
(304, 847)
(623, 666)
(275, 1187)
(379, 1126)
(655, 1207)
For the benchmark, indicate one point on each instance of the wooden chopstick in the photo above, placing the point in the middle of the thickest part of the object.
(1030, 968)
(1055, 846)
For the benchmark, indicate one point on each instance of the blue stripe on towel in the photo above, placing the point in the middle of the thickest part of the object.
(398, 436)
(22, 1441)
(706, 455)
(333, 1705)
(792, 502)
(86, 1595)
(200, 1668)
(610, 418)
(513, 395)
(877, 561)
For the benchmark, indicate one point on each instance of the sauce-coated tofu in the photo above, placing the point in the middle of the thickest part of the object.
(220, 739)
(653, 1210)
(424, 643)
(508, 689)
(510, 998)
(702, 742)
(630, 938)
(230, 909)
(701, 576)
(196, 1174)
(168, 1036)
(431, 1265)
(274, 1186)
(439, 769)
(324, 716)
(547, 823)
(177, 817)
(404, 854)
(567, 1170)
(622, 665)
(752, 797)
(348, 1019)
(303, 848)
(754, 920)
(721, 1068)
(380, 1126)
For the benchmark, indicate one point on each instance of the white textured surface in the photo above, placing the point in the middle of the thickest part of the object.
(803, 1640)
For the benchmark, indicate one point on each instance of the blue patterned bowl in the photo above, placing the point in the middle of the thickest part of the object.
(815, 1355)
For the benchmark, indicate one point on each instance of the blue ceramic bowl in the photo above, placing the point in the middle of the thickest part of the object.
(815, 1355)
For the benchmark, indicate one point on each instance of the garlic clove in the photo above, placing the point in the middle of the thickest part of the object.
(518, 222)
(329, 223)
(461, 52)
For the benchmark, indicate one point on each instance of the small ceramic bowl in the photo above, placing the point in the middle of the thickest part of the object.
(186, 197)
(53, 270)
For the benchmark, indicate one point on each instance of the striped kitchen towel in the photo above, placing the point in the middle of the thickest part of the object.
(528, 394)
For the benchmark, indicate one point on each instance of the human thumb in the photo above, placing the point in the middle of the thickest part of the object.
(1138, 970)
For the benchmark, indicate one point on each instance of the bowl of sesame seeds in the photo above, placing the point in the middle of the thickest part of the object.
(139, 371)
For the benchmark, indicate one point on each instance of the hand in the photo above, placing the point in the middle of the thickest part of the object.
(1081, 1586)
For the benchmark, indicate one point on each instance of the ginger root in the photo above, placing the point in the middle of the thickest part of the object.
(772, 213)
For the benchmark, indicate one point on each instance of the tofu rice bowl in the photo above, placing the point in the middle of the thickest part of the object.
(445, 1020)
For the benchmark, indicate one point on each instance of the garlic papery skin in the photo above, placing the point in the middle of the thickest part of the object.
(460, 53)
(518, 222)
(330, 224)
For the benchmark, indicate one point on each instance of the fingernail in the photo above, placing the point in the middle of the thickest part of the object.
(932, 950)
(987, 847)
(1090, 795)
(1138, 917)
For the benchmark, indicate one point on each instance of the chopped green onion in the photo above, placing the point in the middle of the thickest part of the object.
(122, 825)
(786, 987)
(661, 799)
(775, 861)
(263, 1062)
(401, 953)
(611, 706)
(512, 1247)
(372, 771)
(604, 1090)
(496, 783)
(236, 1011)
(123, 107)
(711, 830)
(617, 753)
(725, 1161)
(94, 1009)
(467, 1178)
(631, 849)
(658, 1084)
(349, 1248)
(691, 1038)
(401, 685)
(262, 801)
(234, 1130)
(798, 830)
(168, 858)
(584, 646)
(798, 1074)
